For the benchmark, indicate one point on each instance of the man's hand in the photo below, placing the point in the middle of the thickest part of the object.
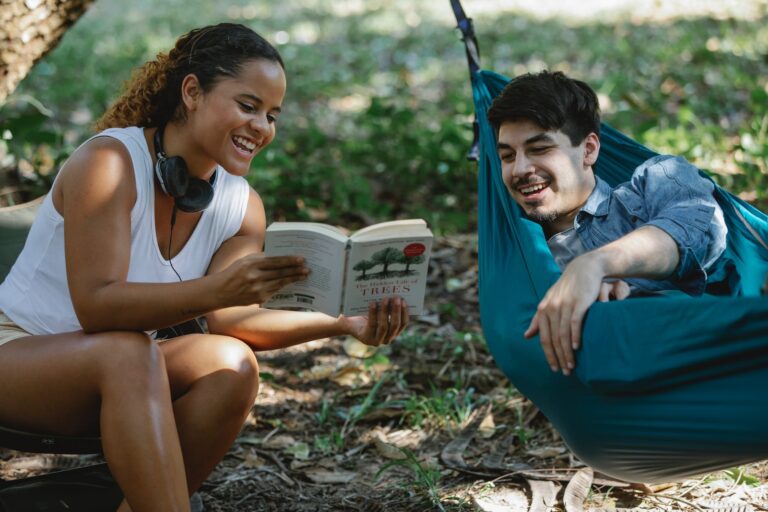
(385, 321)
(559, 316)
(614, 289)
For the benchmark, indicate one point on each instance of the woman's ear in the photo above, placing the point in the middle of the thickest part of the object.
(191, 92)
(591, 149)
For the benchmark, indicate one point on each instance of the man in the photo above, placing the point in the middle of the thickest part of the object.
(662, 230)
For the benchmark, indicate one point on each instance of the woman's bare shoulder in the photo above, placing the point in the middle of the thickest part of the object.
(102, 163)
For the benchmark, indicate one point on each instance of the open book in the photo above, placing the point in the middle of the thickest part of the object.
(348, 272)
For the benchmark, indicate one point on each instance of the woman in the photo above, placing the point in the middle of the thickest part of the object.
(109, 259)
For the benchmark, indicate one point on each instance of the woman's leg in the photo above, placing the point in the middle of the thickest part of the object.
(114, 384)
(214, 381)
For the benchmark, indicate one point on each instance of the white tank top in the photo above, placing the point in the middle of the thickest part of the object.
(35, 293)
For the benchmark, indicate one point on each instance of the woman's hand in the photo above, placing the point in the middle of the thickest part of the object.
(254, 278)
(385, 321)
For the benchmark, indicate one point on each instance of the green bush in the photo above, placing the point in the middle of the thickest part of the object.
(377, 120)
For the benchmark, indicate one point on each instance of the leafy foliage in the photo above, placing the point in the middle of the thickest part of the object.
(377, 120)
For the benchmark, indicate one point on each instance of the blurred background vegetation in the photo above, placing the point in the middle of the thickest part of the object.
(377, 121)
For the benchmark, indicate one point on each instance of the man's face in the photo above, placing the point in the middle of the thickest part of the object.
(546, 175)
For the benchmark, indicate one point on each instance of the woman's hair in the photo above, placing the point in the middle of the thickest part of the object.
(552, 101)
(152, 97)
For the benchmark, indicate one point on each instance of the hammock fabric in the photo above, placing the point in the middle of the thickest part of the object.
(665, 387)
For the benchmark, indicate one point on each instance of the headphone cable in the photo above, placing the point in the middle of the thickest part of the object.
(170, 239)
(177, 331)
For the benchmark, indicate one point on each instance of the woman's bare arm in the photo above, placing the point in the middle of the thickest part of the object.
(95, 195)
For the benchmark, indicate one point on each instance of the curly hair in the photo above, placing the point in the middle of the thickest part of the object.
(152, 96)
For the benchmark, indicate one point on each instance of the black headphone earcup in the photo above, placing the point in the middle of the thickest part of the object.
(198, 197)
(174, 175)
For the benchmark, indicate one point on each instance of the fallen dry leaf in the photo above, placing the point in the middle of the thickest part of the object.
(279, 442)
(252, 460)
(546, 451)
(325, 476)
(543, 495)
(319, 371)
(577, 490)
(487, 427)
(388, 450)
(350, 376)
(356, 348)
(501, 500)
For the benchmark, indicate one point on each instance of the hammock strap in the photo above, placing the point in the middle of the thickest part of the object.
(472, 49)
(468, 36)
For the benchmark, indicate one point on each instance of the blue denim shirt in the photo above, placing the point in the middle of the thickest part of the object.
(666, 192)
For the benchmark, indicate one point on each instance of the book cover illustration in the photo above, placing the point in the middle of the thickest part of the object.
(384, 268)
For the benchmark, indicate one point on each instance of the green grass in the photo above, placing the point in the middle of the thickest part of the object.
(424, 479)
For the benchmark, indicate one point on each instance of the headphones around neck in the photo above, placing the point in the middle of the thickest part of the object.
(190, 194)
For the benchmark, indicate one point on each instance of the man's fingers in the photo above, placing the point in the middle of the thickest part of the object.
(567, 363)
(621, 290)
(577, 320)
(605, 292)
(546, 345)
(533, 327)
(552, 320)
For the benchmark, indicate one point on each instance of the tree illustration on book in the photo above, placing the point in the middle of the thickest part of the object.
(385, 257)
(411, 255)
(410, 260)
(364, 266)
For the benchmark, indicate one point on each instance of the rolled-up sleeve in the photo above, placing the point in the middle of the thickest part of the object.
(680, 202)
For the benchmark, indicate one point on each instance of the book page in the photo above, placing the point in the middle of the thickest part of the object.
(317, 227)
(387, 267)
(324, 256)
(391, 228)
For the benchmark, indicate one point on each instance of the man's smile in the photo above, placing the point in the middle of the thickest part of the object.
(533, 188)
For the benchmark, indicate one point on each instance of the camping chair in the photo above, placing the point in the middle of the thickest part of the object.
(90, 487)
(664, 387)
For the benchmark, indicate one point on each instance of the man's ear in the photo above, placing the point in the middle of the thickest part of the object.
(191, 92)
(591, 149)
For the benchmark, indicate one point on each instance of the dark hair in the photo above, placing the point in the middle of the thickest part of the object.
(152, 96)
(551, 100)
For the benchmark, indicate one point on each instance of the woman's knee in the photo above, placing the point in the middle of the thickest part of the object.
(129, 353)
(237, 363)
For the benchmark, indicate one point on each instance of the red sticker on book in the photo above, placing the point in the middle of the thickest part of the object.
(414, 250)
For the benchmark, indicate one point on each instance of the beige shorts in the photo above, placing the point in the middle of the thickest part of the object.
(10, 331)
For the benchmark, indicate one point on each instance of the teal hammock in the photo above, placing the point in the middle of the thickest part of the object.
(665, 387)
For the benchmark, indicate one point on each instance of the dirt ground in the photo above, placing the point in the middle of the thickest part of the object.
(428, 423)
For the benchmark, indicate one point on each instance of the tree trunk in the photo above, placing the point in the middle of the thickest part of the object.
(29, 29)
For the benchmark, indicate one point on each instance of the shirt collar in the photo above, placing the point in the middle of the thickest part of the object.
(597, 202)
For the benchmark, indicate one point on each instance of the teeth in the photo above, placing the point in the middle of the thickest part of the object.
(533, 188)
(250, 146)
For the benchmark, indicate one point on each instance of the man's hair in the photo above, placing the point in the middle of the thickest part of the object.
(552, 101)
